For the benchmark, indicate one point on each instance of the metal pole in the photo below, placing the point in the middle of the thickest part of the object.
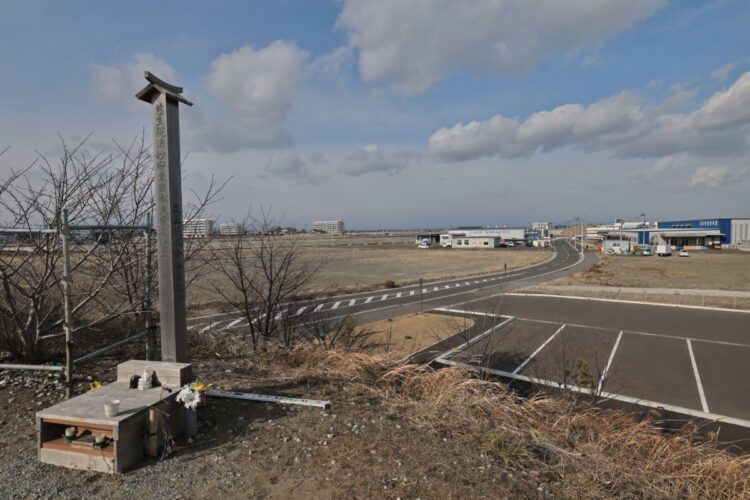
(147, 306)
(67, 285)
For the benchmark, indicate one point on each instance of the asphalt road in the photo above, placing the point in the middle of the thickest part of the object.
(383, 304)
(690, 361)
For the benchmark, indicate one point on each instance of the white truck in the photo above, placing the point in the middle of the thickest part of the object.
(446, 240)
(663, 250)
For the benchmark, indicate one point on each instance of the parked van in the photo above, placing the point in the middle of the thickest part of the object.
(663, 250)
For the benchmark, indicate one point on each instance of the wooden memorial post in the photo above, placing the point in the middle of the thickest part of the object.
(164, 99)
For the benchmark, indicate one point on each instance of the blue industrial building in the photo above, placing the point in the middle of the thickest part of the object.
(693, 233)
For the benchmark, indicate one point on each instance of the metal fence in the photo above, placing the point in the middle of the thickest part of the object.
(64, 233)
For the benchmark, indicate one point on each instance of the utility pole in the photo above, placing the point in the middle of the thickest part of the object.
(165, 99)
(67, 304)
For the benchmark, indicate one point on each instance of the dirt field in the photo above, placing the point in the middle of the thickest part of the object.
(353, 268)
(719, 270)
(407, 334)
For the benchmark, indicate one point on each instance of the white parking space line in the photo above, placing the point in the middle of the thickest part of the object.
(351, 302)
(398, 295)
(369, 299)
(527, 360)
(411, 293)
(704, 404)
(230, 325)
(609, 363)
(278, 316)
(467, 283)
(336, 305)
(191, 327)
(436, 289)
(446, 287)
(301, 310)
(424, 290)
(319, 307)
(385, 296)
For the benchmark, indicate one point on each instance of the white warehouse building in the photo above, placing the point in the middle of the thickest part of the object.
(328, 226)
(197, 228)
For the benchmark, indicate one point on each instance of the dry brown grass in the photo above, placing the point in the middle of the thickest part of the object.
(409, 333)
(717, 270)
(576, 450)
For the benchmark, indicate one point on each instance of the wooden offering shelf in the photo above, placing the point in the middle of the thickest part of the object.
(125, 432)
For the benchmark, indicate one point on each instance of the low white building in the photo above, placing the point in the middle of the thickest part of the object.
(328, 226)
(506, 234)
(232, 229)
(475, 241)
(197, 228)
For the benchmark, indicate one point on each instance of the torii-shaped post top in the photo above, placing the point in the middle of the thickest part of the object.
(159, 86)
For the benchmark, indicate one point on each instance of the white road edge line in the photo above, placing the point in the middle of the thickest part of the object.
(704, 404)
(637, 302)
(527, 360)
(609, 363)
(607, 395)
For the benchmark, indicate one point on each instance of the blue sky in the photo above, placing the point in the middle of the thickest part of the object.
(398, 113)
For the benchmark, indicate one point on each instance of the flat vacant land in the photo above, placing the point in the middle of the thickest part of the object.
(360, 264)
(410, 333)
(718, 270)
(362, 268)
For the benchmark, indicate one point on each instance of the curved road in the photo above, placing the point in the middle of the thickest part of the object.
(384, 304)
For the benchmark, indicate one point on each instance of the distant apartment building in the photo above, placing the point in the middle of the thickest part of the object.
(197, 228)
(329, 226)
(231, 229)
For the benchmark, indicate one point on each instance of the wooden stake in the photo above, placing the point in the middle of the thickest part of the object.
(152, 440)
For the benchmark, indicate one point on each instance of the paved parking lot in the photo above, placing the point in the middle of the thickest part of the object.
(706, 377)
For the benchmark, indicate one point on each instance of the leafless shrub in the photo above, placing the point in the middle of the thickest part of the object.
(107, 266)
(342, 333)
(260, 276)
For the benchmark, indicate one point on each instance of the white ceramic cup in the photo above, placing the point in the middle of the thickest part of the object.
(112, 408)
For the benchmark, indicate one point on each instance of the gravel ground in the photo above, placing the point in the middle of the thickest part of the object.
(360, 448)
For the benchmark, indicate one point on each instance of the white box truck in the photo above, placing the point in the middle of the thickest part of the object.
(663, 250)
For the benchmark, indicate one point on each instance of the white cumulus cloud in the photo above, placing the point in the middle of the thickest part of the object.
(372, 158)
(120, 82)
(620, 124)
(256, 87)
(411, 44)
